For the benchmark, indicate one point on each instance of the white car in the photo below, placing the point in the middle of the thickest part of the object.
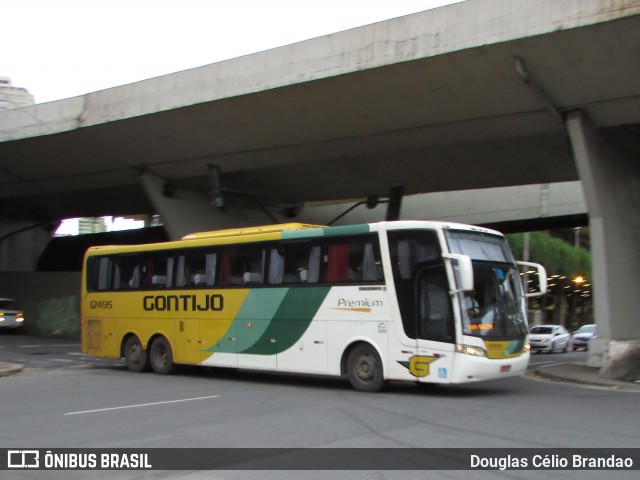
(10, 314)
(582, 336)
(549, 338)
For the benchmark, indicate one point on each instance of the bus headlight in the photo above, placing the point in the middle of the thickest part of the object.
(471, 350)
(526, 348)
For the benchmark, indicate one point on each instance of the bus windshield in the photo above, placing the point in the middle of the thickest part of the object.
(495, 309)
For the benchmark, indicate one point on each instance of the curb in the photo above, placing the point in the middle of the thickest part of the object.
(7, 369)
(580, 375)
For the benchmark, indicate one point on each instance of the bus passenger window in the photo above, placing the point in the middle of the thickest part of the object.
(276, 267)
(225, 269)
(196, 268)
(312, 275)
(243, 265)
(356, 260)
(211, 261)
(127, 272)
(338, 263)
(290, 263)
(98, 273)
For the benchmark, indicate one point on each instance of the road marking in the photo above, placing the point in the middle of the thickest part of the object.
(142, 405)
(47, 346)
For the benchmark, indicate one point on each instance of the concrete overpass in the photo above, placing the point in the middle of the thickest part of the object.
(481, 94)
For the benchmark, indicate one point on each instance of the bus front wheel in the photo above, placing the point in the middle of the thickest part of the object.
(161, 356)
(364, 369)
(135, 356)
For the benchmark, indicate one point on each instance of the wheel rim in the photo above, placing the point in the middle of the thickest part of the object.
(160, 357)
(365, 368)
(135, 353)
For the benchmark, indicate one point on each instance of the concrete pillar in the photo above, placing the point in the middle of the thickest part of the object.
(611, 180)
(183, 211)
(21, 244)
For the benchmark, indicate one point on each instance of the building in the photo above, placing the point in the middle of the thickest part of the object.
(13, 97)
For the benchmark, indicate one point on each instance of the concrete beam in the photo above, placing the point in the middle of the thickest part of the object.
(479, 206)
(184, 211)
(611, 180)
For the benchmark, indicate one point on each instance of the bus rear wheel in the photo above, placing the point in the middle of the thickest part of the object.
(135, 356)
(364, 369)
(161, 356)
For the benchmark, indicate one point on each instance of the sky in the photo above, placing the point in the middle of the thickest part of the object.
(63, 48)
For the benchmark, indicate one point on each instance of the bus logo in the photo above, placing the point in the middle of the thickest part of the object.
(418, 365)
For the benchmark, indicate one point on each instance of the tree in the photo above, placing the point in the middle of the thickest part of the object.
(556, 255)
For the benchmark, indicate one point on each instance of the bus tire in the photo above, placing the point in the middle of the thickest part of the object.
(161, 356)
(364, 369)
(137, 358)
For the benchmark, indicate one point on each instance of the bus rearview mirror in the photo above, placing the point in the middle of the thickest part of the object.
(463, 271)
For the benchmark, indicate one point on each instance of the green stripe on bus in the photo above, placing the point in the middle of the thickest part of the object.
(326, 232)
(252, 320)
(290, 321)
(347, 230)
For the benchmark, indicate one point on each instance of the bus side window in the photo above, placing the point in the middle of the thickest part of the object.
(243, 265)
(182, 272)
(366, 263)
(211, 263)
(196, 268)
(127, 273)
(276, 266)
(291, 263)
(312, 275)
(98, 273)
(337, 263)
(225, 268)
(355, 259)
(159, 270)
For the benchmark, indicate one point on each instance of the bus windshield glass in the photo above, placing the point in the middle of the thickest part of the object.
(495, 309)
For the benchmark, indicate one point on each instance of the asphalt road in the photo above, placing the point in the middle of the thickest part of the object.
(64, 399)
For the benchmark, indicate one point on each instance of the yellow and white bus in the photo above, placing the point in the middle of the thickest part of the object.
(420, 301)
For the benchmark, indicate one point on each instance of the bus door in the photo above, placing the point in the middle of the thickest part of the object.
(435, 330)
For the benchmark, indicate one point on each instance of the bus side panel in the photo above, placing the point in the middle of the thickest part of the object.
(186, 340)
(269, 331)
(218, 335)
(356, 313)
(98, 326)
(221, 329)
(256, 341)
(301, 334)
(99, 338)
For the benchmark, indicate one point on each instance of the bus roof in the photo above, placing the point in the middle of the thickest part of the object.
(248, 231)
(286, 231)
